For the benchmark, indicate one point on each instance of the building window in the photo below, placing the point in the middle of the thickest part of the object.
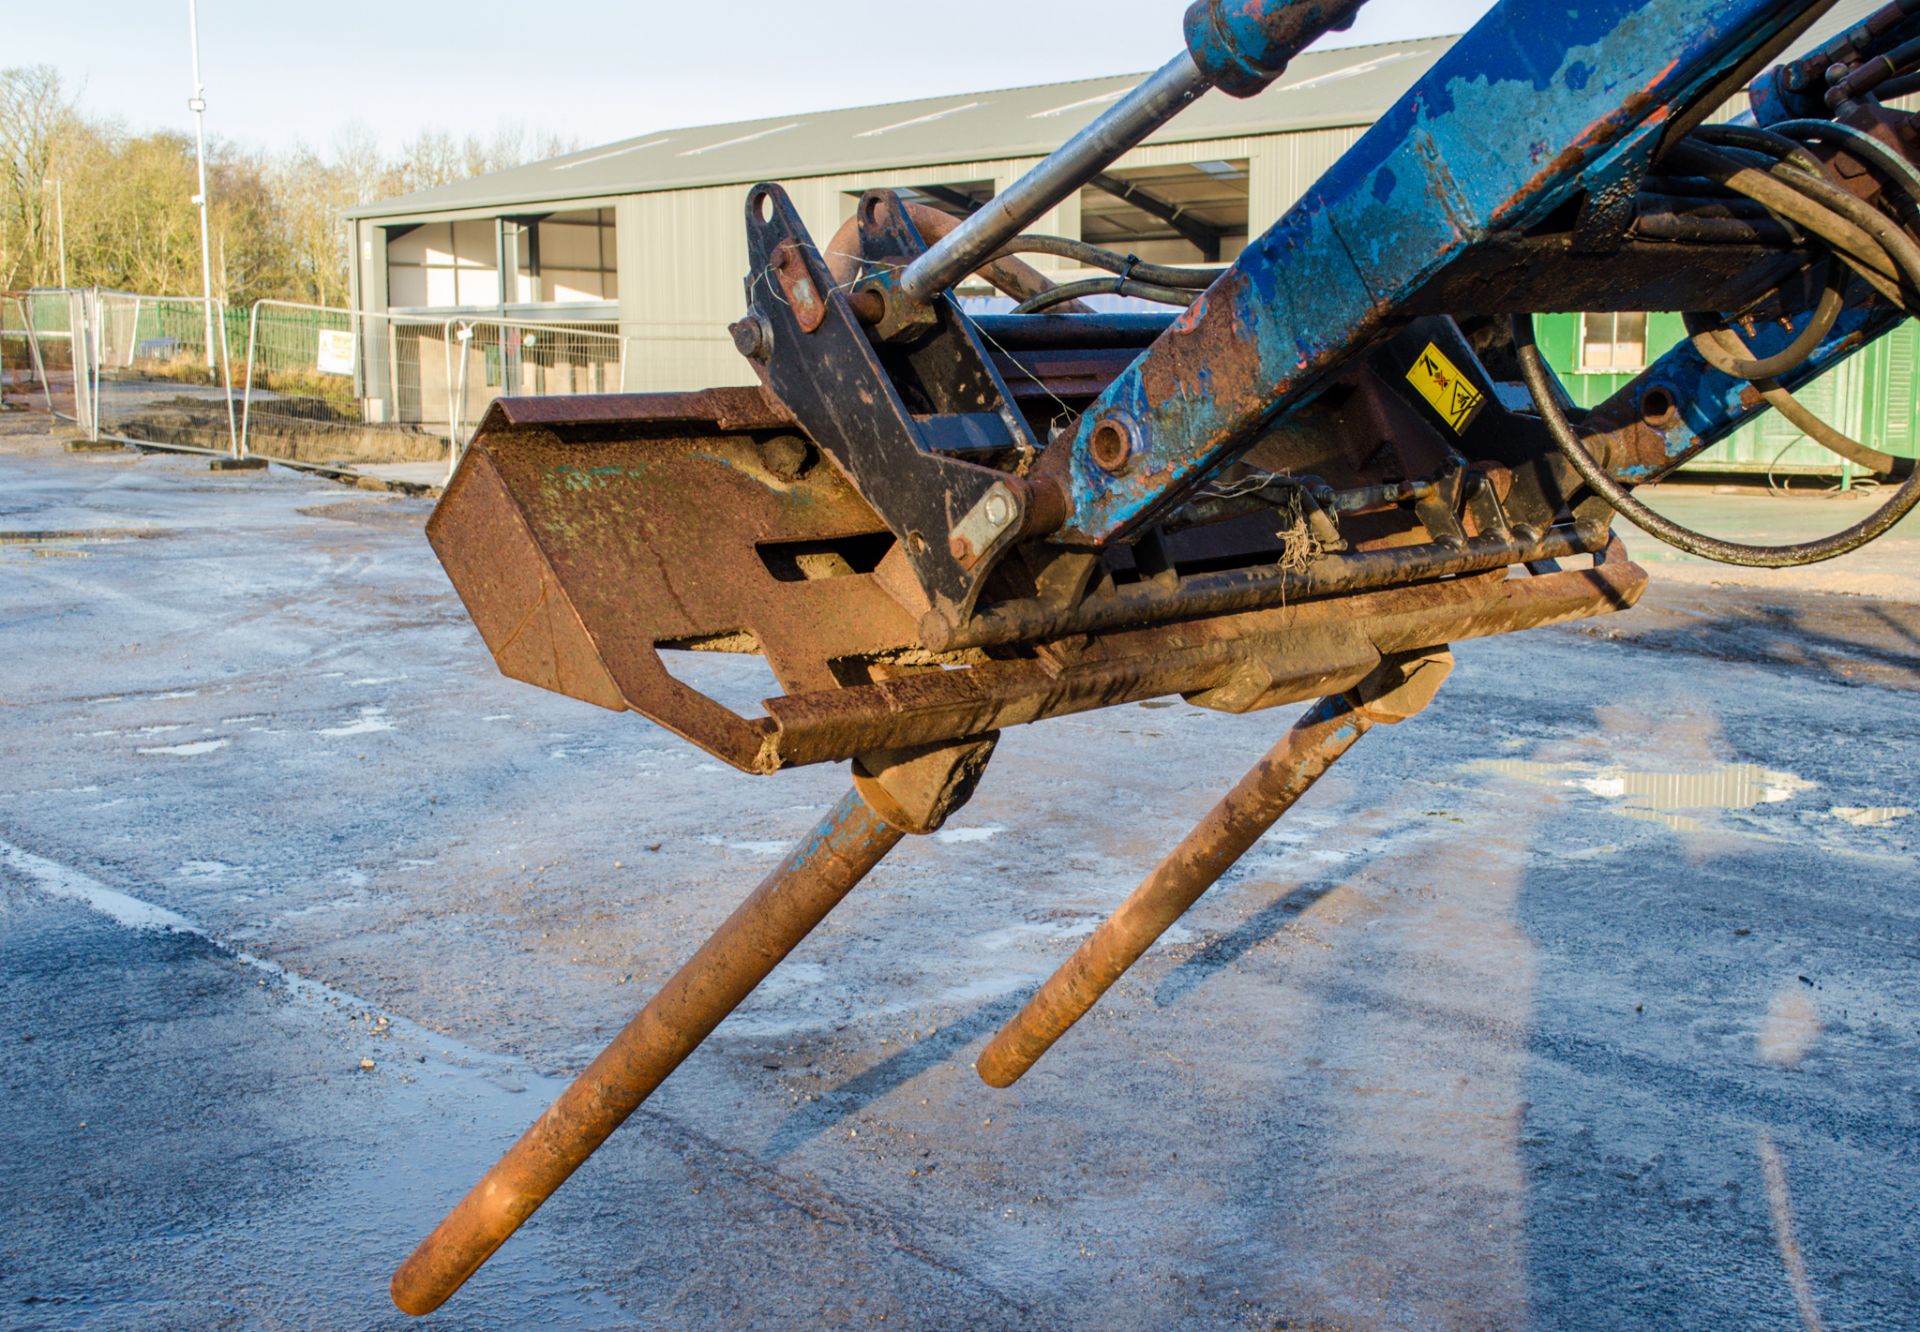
(442, 265)
(1191, 213)
(1613, 344)
(565, 258)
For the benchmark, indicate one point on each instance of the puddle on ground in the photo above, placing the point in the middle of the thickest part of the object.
(371, 720)
(191, 750)
(1880, 816)
(1674, 800)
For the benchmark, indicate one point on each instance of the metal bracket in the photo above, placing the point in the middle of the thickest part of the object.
(917, 790)
(818, 358)
(1611, 202)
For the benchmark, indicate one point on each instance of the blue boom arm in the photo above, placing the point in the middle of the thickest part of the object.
(1541, 102)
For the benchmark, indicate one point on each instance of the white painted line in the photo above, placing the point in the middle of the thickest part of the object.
(917, 120)
(744, 138)
(617, 152)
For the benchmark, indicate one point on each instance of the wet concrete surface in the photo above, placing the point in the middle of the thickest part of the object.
(1589, 999)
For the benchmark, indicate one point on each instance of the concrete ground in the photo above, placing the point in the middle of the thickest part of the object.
(1591, 999)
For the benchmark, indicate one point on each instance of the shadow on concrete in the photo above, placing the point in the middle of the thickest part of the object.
(1226, 949)
(1851, 640)
(837, 1104)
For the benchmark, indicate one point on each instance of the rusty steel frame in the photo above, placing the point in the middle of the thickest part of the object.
(556, 507)
(932, 526)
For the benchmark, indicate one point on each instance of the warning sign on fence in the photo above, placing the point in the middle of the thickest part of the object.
(336, 351)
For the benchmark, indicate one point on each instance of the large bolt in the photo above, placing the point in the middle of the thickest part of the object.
(753, 335)
(999, 510)
(1111, 446)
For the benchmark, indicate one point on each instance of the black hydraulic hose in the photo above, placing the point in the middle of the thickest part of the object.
(1854, 231)
(1899, 252)
(1095, 256)
(1722, 349)
(1881, 464)
(1721, 205)
(1862, 236)
(1756, 140)
(1533, 368)
(1072, 291)
(1899, 172)
(1874, 73)
(1904, 86)
(1714, 230)
(1690, 187)
(1832, 301)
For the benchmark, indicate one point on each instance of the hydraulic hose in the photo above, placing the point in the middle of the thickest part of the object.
(1789, 358)
(1533, 369)
(1722, 348)
(1870, 241)
(1095, 256)
(1115, 286)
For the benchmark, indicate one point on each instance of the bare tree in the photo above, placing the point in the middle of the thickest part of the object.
(277, 218)
(34, 117)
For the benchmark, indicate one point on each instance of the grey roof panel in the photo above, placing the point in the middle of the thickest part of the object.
(1350, 86)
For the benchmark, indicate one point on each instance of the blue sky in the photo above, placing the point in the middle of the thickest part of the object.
(280, 73)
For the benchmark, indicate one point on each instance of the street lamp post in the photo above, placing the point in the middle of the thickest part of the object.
(198, 105)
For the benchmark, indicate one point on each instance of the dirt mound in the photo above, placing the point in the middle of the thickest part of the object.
(324, 436)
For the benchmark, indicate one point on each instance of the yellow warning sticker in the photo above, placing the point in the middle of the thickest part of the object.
(1452, 394)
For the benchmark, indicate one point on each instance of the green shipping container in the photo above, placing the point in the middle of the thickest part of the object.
(1872, 396)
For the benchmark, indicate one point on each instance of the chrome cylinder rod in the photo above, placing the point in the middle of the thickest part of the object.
(1119, 130)
(1238, 46)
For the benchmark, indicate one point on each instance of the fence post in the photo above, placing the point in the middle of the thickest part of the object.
(246, 403)
(226, 369)
(88, 327)
(457, 401)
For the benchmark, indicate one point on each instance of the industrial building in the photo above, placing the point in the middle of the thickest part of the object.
(645, 238)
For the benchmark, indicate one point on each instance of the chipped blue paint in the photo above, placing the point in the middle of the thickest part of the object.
(1712, 405)
(593, 478)
(847, 832)
(1541, 97)
(1244, 45)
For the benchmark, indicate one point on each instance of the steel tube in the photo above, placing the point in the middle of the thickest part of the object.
(1163, 96)
(1328, 730)
(821, 870)
(1253, 589)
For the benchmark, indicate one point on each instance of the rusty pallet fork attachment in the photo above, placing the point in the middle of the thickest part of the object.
(1342, 456)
